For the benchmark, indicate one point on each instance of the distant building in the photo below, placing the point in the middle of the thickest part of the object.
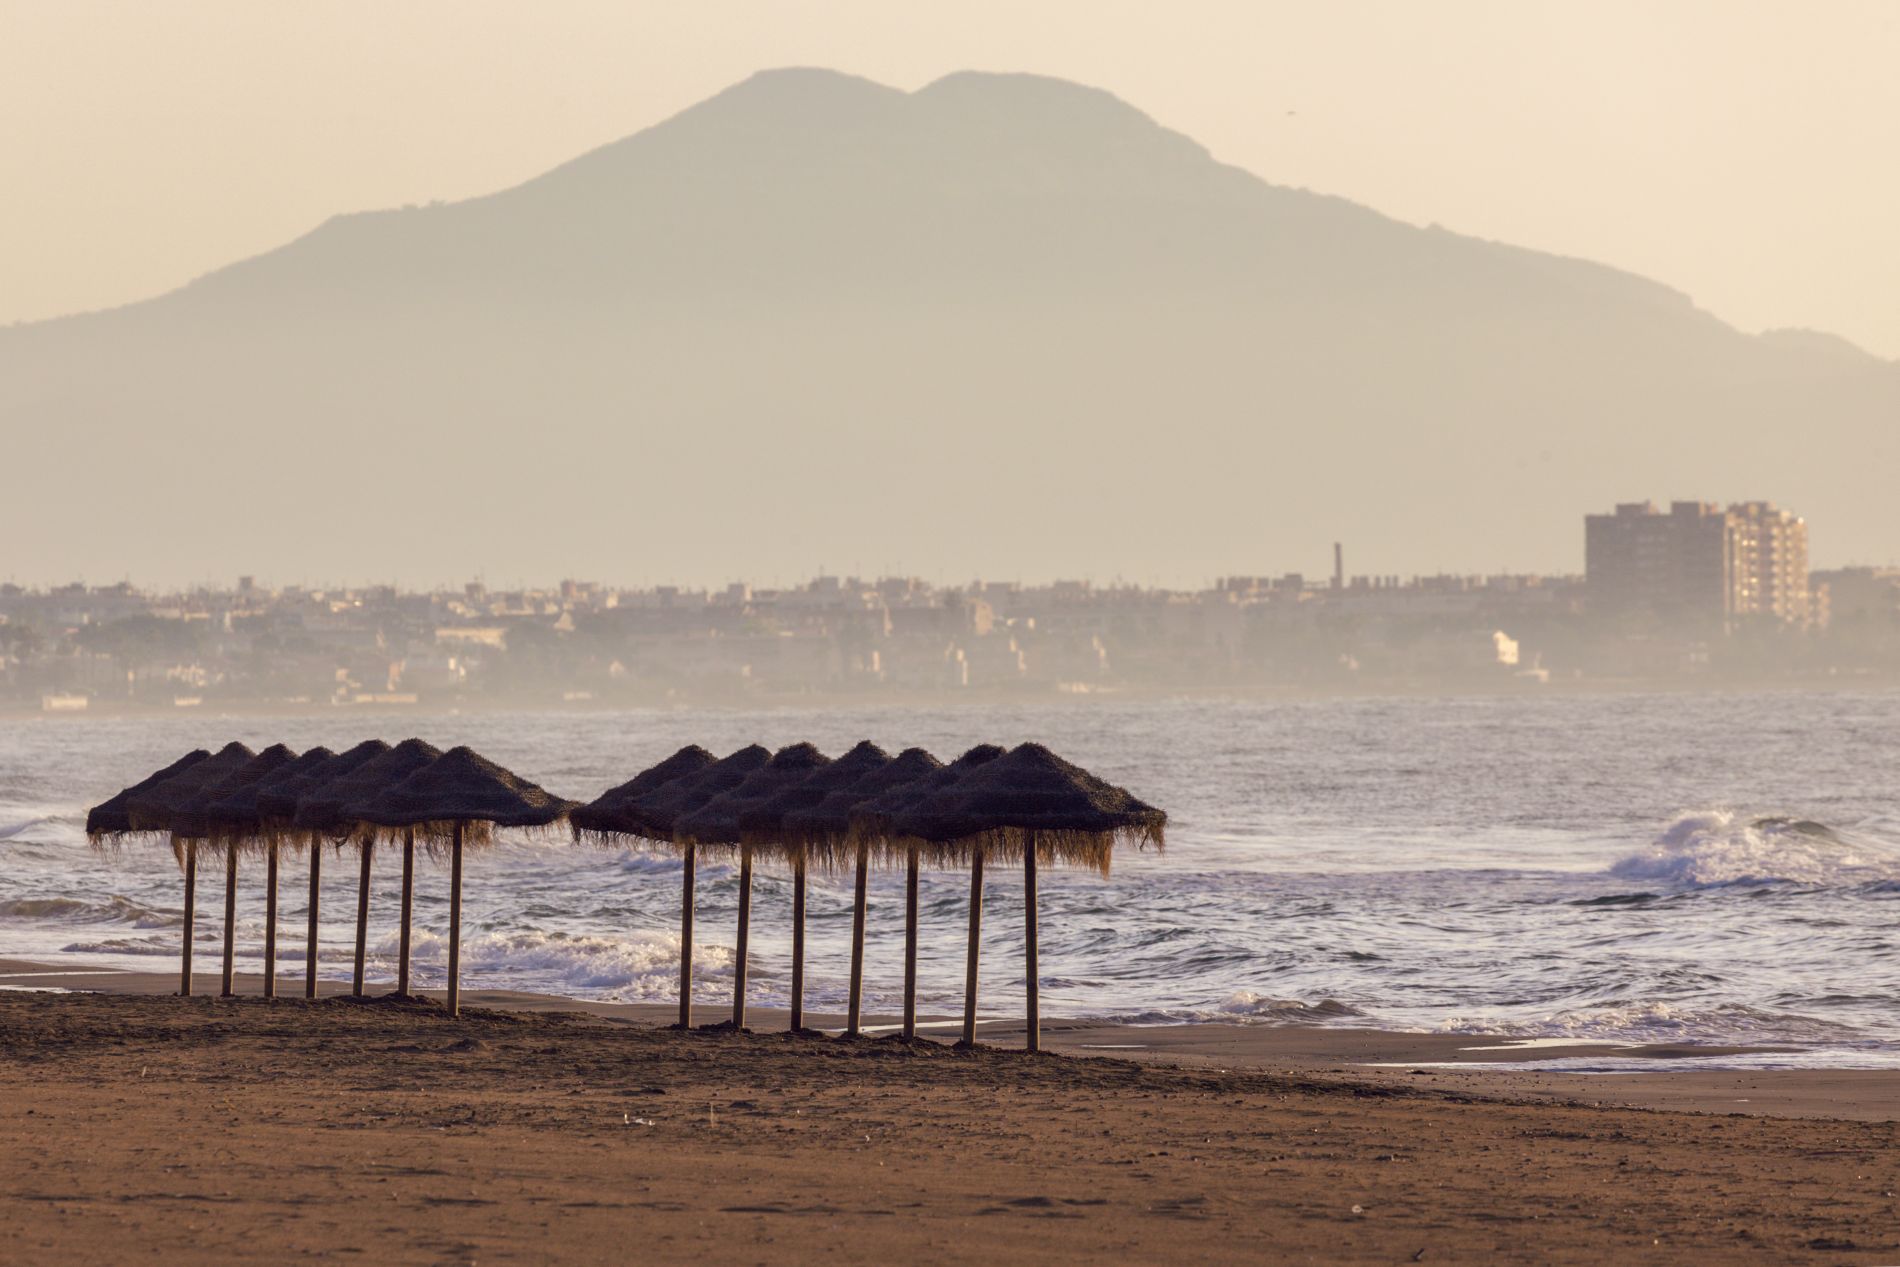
(1770, 562)
(1698, 563)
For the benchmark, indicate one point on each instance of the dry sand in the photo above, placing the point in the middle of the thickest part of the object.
(144, 1128)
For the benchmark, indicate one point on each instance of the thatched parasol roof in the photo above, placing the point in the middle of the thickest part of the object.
(239, 816)
(763, 823)
(717, 821)
(653, 816)
(321, 810)
(193, 819)
(824, 830)
(1031, 798)
(463, 788)
(278, 796)
(874, 820)
(153, 809)
(110, 818)
(601, 818)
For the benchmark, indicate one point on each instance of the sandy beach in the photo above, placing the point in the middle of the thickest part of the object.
(169, 1130)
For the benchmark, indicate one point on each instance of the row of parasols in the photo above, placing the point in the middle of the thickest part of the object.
(795, 806)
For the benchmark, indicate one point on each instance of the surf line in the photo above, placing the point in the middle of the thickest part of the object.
(66, 972)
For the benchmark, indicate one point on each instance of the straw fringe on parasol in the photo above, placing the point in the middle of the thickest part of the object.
(1031, 796)
(459, 795)
(1029, 806)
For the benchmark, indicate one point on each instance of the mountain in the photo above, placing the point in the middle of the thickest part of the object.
(1003, 325)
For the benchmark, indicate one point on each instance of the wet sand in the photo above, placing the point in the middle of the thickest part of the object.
(164, 1130)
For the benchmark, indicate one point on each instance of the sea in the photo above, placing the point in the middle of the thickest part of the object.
(1639, 868)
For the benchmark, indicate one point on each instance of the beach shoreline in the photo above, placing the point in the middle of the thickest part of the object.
(247, 1130)
(1687, 1077)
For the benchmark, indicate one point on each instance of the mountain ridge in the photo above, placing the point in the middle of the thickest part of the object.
(1026, 273)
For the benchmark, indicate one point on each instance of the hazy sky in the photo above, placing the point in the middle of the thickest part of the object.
(1745, 151)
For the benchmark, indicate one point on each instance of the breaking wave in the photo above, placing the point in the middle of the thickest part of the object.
(636, 967)
(72, 910)
(1245, 1007)
(1657, 1022)
(1711, 848)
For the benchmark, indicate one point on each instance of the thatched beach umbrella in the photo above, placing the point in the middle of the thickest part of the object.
(277, 801)
(716, 823)
(615, 814)
(825, 832)
(195, 820)
(605, 818)
(874, 822)
(764, 825)
(151, 810)
(111, 820)
(456, 800)
(321, 811)
(651, 817)
(1034, 805)
(237, 820)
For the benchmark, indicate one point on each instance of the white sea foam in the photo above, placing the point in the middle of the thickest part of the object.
(1659, 1022)
(1718, 847)
(640, 966)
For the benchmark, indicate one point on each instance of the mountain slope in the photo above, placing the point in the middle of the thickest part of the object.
(1002, 325)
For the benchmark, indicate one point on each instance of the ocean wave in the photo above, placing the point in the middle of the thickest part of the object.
(72, 910)
(639, 966)
(1712, 848)
(1660, 1022)
(9, 830)
(1242, 1007)
(126, 946)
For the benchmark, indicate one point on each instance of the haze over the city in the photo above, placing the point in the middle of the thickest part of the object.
(894, 317)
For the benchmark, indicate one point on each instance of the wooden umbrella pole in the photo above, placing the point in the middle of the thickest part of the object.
(745, 928)
(270, 923)
(855, 1009)
(191, 912)
(798, 943)
(230, 915)
(686, 941)
(910, 946)
(310, 950)
(455, 924)
(362, 918)
(408, 902)
(976, 934)
(1033, 1041)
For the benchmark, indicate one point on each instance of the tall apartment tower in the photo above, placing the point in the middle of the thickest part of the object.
(1771, 562)
(1698, 563)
